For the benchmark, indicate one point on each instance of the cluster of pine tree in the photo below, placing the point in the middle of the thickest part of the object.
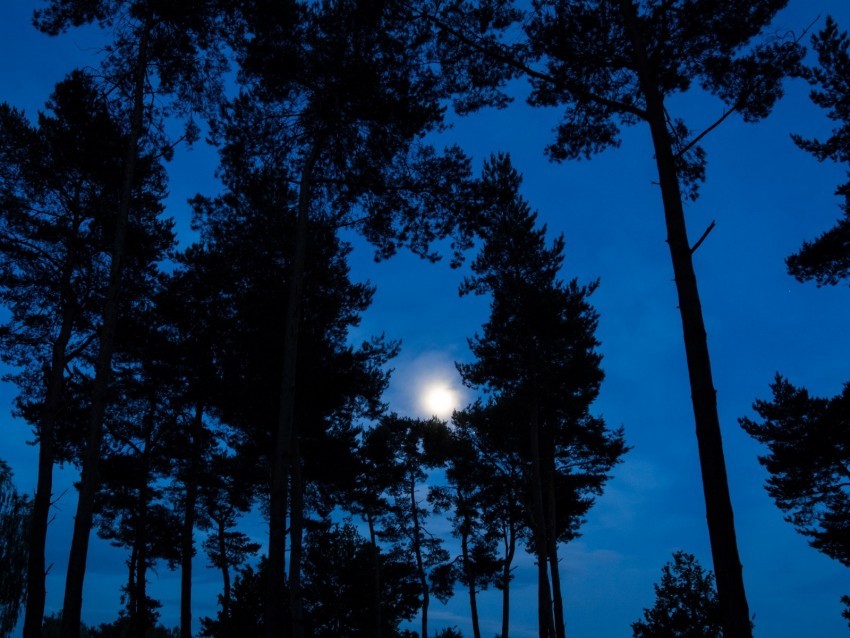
(190, 387)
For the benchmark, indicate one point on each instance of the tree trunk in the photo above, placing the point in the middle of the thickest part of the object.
(281, 461)
(470, 583)
(89, 479)
(420, 563)
(552, 549)
(376, 574)
(225, 570)
(296, 528)
(188, 539)
(132, 606)
(510, 550)
(40, 516)
(721, 524)
(546, 625)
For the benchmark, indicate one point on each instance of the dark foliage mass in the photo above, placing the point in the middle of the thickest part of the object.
(14, 528)
(808, 458)
(826, 259)
(192, 388)
(685, 603)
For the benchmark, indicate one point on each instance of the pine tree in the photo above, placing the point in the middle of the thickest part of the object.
(826, 259)
(171, 49)
(538, 351)
(615, 63)
(686, 603)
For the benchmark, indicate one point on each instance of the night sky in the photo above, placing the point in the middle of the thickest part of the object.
(766, 197)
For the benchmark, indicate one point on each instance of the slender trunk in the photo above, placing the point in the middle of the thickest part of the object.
(546, 622)
(470, 584)
(188, 539)
(141, 623)
(40, 517)
(420, 563)
(132, 606)
(721, 524)
(280, 462)
(225, 573)
(510, 550)
(139, 615)
(89, 479)
(296, 527)
(376, 574)
(552, 549)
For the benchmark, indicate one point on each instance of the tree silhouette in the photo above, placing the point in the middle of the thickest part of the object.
(615, 63)
(402, 449)
(15, 512)
(826, 259)
(59, 196)
(807, 441)
(538, 350)
(339, 95)
(686, 604)
(501, 492)
(466, 499)
(159, 48)
(336, 603)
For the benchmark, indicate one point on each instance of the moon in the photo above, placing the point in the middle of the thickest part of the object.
(439, 400)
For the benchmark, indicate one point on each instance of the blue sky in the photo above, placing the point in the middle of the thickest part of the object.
(766, 197)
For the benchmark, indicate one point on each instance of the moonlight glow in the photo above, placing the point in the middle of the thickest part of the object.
(439, 400)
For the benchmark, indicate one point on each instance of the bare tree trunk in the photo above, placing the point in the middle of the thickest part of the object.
(420, 563)
(552, 549)
(188, 537)
(510, 550)
(40, 517)
(546, 622)
(470, 584)
(376, 575)
(296, 528)
(721, 524)
(89, 479)
(225, 572)
(281, 461)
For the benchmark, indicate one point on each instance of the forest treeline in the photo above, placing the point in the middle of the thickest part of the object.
(192, 386)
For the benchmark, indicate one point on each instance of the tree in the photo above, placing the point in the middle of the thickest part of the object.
(686, 604)
(826, 259)
(60, 182)
(336, 602)
(808, 462)
(225, 493)
(15, 512)
(245, 615)
(340, 95)
(402, 450)
(537, 351)
(467, 498)
(805, 434)
(158, 46)
(248, 249)
(615, 63)
(502, 493)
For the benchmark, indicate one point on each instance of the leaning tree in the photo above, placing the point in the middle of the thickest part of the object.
(610, 64)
